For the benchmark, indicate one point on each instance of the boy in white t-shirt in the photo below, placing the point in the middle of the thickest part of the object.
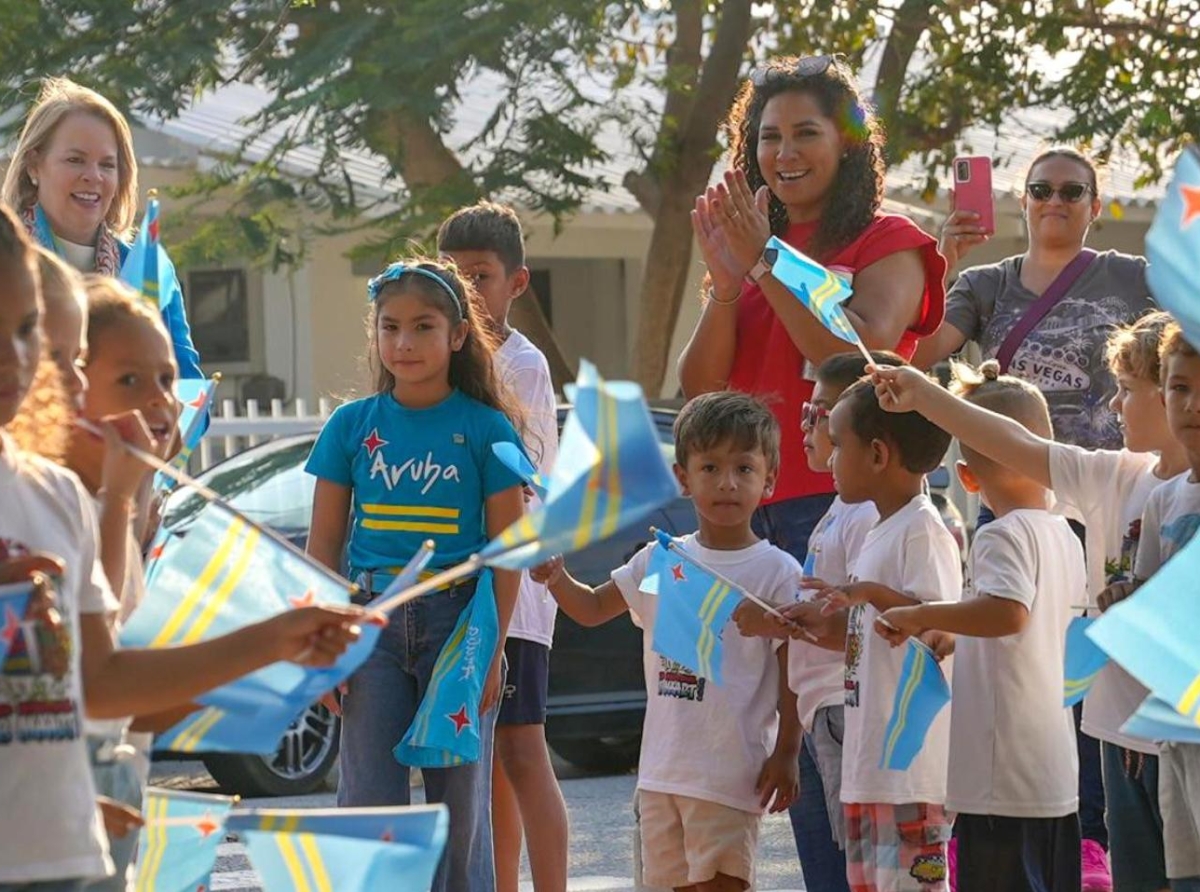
(896, 825)
(713, 757)
(1107, 489)
(1171, 518)
(486, 243)
(1013, 762)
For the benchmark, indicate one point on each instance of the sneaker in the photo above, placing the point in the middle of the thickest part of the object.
(1097, 877)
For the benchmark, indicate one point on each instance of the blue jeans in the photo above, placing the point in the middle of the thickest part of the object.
(788, 525)
(377, 710)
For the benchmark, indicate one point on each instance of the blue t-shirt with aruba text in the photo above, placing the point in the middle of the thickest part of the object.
(416, 474)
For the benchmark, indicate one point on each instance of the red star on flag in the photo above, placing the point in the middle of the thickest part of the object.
(154, 230)
(386, 835)
(306, 600)
(207, 826)
(156, 552)
(12, 624)
(200, 400)
(374, 441)
(677, 572)
(461, 719)
(1191, 204)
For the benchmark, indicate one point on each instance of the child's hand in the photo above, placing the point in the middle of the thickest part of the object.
(779, 781)
(1115, 593)
(122, 472)
(332, 700)
(491, 685)
(119, 818)
(898, 625)
(754, 622)
(807, 620)
(941, 643)
(832, 597)
(316, 636)
(53, 646)
(549, 573)
(898, 389)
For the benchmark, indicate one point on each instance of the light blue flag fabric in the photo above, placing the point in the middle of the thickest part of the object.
(515, 459)
(195, 396)
(693, 608)
(1173, 244)
(610, 473)
(920, 695)
(177, 846)
(445, 730)
(1156, 720)
(146, 267)
(14, 599)
(821, 291)
(345, 849)
(216, 573)
(1082, 661)
(1152, 634)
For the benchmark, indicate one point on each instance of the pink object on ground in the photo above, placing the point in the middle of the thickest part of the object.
(1097, 877)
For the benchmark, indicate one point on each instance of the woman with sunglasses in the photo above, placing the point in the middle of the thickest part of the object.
(806, 165)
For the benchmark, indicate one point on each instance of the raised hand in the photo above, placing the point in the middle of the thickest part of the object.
(960, 233)
(744, 216)
(899, 389)
(724, 269)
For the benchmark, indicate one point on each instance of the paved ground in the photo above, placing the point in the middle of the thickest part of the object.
(601, 833)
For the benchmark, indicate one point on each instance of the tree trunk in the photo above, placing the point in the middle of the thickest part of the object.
(527, 317)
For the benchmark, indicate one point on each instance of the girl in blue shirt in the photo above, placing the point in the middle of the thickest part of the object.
(411, 463)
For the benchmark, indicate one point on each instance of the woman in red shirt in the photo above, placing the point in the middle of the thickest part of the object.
(807, 166)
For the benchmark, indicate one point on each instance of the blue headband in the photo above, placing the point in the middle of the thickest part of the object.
(395, 270)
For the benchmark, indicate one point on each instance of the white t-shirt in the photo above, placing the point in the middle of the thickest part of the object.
(913, 553)
(1171, 518)
(51, 827)
(700, 739)
(523, 369)
(1108, 489)
(1012, 743)
(817, 674)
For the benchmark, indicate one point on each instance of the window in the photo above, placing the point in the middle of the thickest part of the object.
(539, 284)
(219, 312)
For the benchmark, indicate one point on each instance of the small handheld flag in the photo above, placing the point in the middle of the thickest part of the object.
(345, 849)
(1082, 661)
(693, 608)
(515, 459)
(610, 473)
(1156, 720)
(14, 599)
(195, 396)
(1151, 634)
(1173, 244)
(445, 730)
(921, 694)
(177, 846)
(146, 267)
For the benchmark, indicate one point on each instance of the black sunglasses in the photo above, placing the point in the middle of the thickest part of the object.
(1070, 192)
(806, 66)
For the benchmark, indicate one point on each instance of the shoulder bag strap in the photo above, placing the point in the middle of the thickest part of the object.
(1043, 305)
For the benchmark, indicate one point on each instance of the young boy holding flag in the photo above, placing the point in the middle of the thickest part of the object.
(713, 756)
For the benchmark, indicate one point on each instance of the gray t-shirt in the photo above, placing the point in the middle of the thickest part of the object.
(1064, 354)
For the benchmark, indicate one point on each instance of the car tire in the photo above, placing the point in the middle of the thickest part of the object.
(600, 755)
(302, 763)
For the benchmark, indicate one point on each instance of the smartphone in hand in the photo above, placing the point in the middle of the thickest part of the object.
(973, 189)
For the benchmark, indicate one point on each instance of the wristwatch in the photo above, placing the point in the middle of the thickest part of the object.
(759, 269)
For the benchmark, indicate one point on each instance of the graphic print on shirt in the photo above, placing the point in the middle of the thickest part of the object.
(423, 473)
(679, 682)
(1179, 532)
(1120, 568)
(854, 646)
(35, 700)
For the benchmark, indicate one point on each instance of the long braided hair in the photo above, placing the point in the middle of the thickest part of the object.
(858, 186)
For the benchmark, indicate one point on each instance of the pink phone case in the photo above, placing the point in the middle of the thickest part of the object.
(973, 188)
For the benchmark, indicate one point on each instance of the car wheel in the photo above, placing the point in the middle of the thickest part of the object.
(600, 755)
(305, 757)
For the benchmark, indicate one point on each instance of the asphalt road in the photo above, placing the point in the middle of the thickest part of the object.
(601, 833)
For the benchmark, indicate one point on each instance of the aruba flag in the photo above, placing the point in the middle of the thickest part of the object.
(1173, 244)
(1152, 634)
(920, 695)
(1156, 720)
(177, 846)
(821, 292)
(344, 849)
(514, 458)
(146, 268)
(445, 730)
(14, 599)
(195, 396)
(610, 473)
(693, 608)
(1082, 663)
(215, 573)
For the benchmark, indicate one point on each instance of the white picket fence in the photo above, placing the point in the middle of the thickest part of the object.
(236, 426)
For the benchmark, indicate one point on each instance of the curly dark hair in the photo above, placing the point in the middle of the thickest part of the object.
(859, 181)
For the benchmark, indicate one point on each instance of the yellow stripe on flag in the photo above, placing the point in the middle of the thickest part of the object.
(1191, 696)
(200, 587)
(222, 595)
(316, 864)
(291, 860)
(192, 736)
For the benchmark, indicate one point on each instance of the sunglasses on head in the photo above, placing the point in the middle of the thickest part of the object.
(806, 66)
(1071, 193)
(811, 415)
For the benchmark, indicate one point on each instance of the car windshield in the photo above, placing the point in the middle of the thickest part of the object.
(267, 484)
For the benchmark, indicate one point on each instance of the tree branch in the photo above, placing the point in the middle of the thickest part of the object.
(911, 21)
